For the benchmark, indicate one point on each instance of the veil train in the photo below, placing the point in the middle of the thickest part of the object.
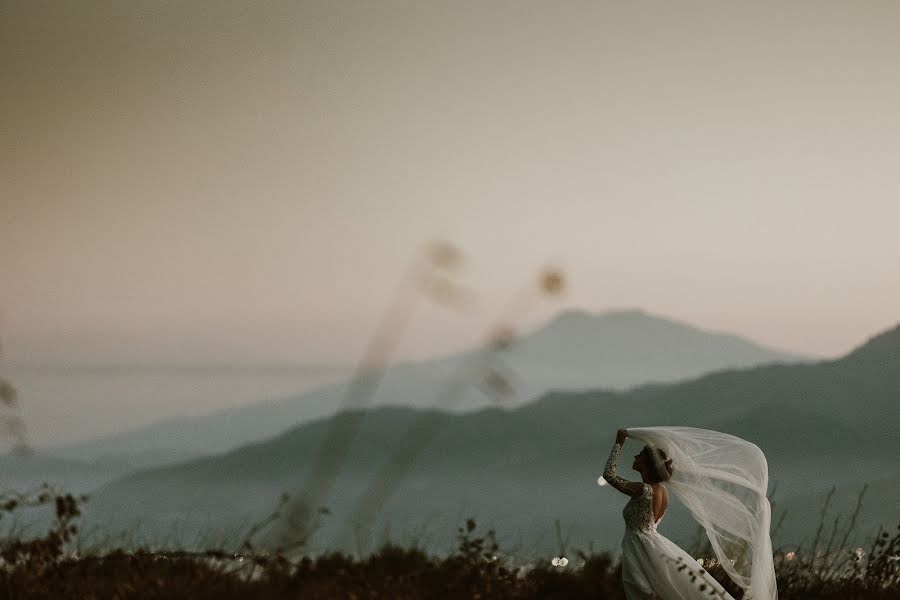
(722, 480)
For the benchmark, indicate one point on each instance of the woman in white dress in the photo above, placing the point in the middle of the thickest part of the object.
(721, 480)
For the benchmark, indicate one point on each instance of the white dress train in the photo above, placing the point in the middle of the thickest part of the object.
(652, 565)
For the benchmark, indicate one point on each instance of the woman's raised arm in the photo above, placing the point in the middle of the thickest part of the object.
(610, 474)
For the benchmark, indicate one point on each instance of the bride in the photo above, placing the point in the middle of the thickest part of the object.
(722, 480)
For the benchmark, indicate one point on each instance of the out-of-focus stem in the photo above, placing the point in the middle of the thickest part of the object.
(423, 429)
(424, 276)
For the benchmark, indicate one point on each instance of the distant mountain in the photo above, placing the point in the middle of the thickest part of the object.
(575, 350)
(20, 472)
(623, 349)
(823, 424)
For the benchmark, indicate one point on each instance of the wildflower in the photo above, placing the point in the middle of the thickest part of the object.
(444, 255)
(7, 393)
(497, 385)
(552, 282)
(502, 338)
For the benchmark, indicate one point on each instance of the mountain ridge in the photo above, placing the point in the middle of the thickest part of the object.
(668, 350)
(798, 414)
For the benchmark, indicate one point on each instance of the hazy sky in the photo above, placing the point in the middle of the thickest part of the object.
(244, 181)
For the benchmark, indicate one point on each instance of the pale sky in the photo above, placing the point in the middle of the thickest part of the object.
(227, 181)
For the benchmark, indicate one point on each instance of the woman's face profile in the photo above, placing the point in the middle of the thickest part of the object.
(638, 463)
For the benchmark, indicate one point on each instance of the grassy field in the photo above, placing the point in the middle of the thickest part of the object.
(50, 566)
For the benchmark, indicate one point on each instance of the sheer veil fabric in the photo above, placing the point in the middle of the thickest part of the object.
(722, 480)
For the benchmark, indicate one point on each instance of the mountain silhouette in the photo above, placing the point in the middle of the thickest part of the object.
(575, 350)
(833, 422)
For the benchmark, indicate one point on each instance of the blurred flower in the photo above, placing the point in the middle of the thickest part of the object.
(444, 255)
(502, 338)
(14, 426)
(448, 293)
(497, 385)
(7, 393)
(552, 282)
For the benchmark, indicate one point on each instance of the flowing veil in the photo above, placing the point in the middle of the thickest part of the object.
(723, 480)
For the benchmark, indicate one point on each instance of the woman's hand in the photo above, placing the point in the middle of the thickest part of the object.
(620, 436)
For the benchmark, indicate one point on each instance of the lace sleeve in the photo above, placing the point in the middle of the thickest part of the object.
(609, 473)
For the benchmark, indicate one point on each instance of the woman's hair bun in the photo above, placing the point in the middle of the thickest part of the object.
(662, 464)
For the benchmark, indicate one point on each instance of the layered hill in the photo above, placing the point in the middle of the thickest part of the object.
(829, 423)
(576, 350)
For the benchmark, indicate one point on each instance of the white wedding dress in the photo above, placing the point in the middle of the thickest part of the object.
(652, 565)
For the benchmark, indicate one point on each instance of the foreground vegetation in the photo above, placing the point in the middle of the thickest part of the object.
(49, 567)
